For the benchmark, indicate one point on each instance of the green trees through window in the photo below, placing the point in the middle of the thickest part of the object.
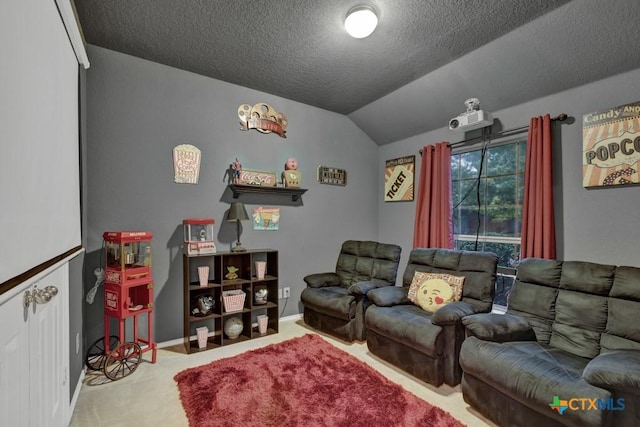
(487, 195)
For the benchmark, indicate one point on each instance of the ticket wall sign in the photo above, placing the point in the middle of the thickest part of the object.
(611, 146)
(399, 179)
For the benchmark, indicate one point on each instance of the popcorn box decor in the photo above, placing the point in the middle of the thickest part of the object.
(233, 300)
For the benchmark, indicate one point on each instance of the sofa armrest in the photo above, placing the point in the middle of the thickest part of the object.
(498, 327)
(388, 296)
(320, 280)
(452, 313)
(615, 370)
(363, 288)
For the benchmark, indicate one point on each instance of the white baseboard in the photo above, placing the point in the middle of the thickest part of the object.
(74, 399)
(291, 318)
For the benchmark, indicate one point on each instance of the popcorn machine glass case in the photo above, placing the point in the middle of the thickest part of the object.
(128, 257)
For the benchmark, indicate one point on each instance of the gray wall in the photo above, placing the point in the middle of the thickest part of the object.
(137, 111)
(595, 225)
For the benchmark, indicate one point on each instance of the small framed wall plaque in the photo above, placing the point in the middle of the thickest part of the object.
(332, 176)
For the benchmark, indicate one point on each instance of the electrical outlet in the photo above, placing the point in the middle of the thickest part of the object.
(286, 292)
(279, 293)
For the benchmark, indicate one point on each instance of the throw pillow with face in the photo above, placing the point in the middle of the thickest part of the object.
(433, 294)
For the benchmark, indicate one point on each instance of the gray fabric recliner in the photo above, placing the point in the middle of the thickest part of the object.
(335, 302)
(570, 338)
(423, 344)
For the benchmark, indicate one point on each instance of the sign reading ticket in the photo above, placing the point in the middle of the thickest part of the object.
(398, 179)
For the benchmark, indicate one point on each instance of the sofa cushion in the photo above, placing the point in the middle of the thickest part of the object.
(533, 295)
(408, 325)
(533, 373)
(478, 269)
(332, 300)
(368, 261)
(581, 307)
(623, 304)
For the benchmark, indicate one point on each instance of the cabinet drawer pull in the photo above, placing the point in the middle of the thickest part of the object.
(39, 296)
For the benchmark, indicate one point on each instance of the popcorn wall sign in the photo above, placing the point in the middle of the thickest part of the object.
(611, 146)
(186, 164)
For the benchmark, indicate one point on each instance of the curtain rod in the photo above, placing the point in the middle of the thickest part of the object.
(509, 132)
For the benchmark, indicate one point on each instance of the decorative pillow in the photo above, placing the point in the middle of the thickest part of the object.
(456, 283)
(418, 279)
(433, 294)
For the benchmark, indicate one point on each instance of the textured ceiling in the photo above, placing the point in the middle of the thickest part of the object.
(298, 49)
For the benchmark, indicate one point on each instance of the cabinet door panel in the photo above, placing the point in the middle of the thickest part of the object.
(49, 353)
(14, 363)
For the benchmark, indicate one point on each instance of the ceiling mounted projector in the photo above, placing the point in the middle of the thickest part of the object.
(473, 118)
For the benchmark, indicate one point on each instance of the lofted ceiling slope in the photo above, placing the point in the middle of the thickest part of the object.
(410, 76)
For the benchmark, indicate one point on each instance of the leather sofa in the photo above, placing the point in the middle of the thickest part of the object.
(335, 302)
(423, 344)
(567, 351)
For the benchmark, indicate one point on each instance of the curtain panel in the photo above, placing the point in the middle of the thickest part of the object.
(433, 226)
(538, 224)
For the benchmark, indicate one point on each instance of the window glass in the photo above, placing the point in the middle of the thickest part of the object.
(487, 204)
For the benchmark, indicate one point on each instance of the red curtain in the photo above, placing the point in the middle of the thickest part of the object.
(538, 227)
(433, 226)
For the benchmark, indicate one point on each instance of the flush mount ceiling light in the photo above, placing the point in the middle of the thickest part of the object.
(361, 21)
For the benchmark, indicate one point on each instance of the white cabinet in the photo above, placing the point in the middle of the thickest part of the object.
(34, 351)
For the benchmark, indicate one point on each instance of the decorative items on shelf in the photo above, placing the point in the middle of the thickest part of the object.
(263, 322)
(291, 176)
(233, 327)
(263, 118)
(261, 268)
(244, 297)
(203, 275)
(186, 164)
(261, 296)
(259, 178)
(202, 333)
(203, 306)
(198, 236)
(233, 300)
(232, 272)
(237, 213)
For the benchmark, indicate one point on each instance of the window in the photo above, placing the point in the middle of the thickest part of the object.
(487, 190)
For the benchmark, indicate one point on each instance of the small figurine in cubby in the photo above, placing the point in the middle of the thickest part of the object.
(291, 176)
(232, 272)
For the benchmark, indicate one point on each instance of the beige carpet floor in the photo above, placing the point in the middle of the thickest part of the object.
(149, 396)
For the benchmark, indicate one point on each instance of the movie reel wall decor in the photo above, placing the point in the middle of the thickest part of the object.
(263, 118)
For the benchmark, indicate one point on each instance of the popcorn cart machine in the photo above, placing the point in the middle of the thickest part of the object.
(128, 293)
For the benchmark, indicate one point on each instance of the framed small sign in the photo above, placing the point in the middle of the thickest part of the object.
(398, 179)
(332, 176)
(253, 177)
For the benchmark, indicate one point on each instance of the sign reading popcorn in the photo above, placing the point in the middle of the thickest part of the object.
(611, 146)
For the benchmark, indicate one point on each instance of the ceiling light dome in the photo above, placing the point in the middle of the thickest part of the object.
(361, 21)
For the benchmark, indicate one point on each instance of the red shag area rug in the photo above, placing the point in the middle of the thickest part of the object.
(300, 382)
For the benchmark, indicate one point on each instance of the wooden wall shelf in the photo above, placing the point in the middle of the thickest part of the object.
(238, 189)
